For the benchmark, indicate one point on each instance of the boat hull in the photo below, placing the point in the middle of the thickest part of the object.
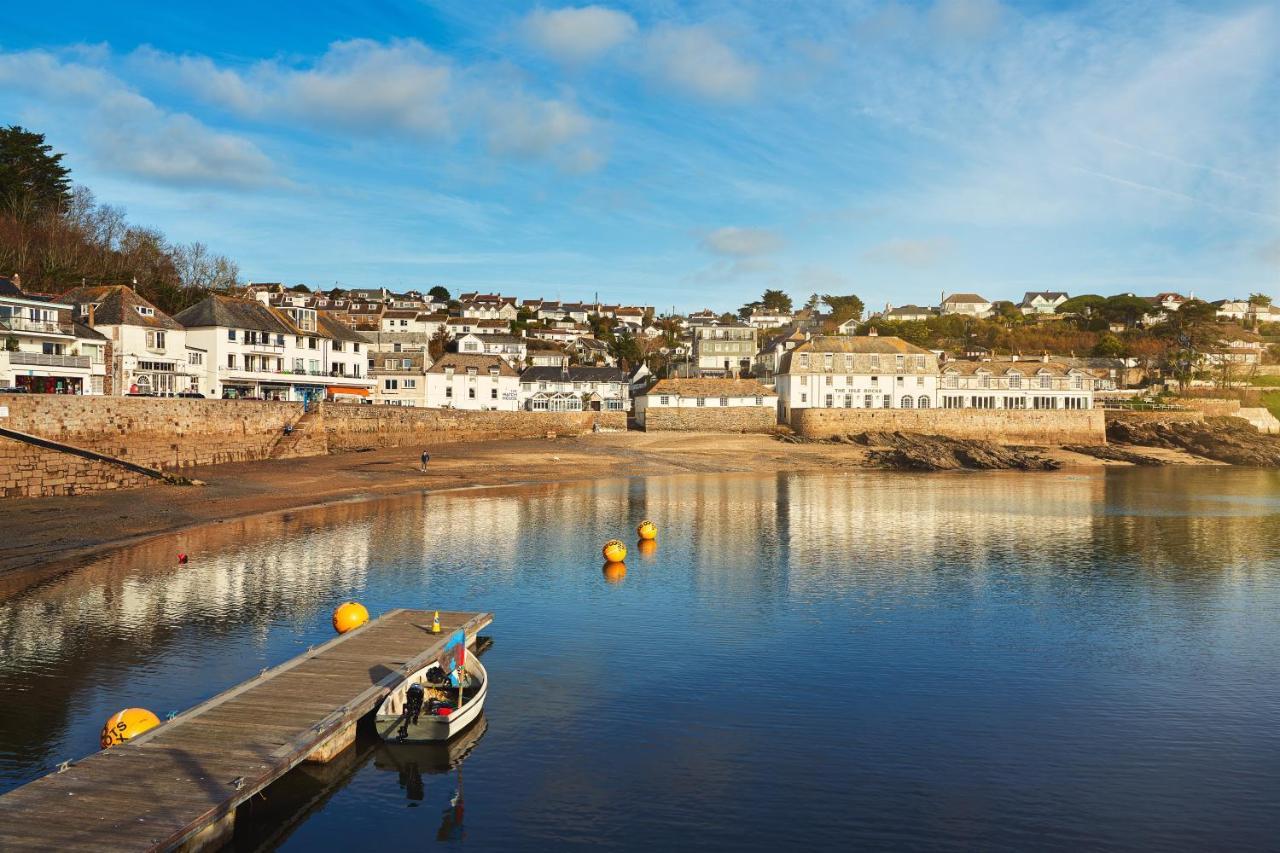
(430, 728)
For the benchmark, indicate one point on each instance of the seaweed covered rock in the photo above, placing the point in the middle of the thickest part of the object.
(1223, 439)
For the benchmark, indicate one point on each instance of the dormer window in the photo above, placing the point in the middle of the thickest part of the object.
(145, 310)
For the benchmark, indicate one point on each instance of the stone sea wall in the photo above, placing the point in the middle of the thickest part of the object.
(348, 428)
(27, 471)
(156, 432)
(1031, 427)
(711, 419)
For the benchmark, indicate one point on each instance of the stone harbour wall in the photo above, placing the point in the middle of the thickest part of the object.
(1002, 426)
(152, 431)
(348, 427)
(711, 419)
(27, 471)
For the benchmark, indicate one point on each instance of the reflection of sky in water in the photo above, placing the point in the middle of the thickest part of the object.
(991, 661)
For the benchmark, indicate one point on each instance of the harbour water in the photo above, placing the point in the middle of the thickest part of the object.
(951, 662)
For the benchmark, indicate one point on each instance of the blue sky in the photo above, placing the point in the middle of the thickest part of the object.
(686, 154)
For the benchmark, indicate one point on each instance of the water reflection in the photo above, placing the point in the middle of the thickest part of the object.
(988, 636)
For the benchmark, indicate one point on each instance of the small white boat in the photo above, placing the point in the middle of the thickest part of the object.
(427, 708)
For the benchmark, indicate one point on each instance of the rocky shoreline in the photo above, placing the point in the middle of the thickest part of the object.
(1227, 440)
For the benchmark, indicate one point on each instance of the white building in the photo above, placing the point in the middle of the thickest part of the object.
(149, 352)
(475, 382)
(908, 314)
(546, 354)
(252, 350)
(723, 350)
(488, 306)
(574, 389)
(966, 304)
(706, 393)
(1018, 384)
(869, 372)
(1041, 301)
(456, 327)
(509, 348)
(766, 319)
(40, 350)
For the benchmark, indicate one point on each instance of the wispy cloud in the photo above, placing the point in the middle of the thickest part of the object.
(577, 35)
(697, 61)
(911, 253)
(739, 242)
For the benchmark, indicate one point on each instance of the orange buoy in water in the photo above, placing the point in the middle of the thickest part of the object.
(349, 616)
(127, 724)
(614, 572)
(647, 547)
(615, 551)
(647, 530)
(182, 559)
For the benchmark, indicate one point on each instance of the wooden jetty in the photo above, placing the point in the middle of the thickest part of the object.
(178, 785)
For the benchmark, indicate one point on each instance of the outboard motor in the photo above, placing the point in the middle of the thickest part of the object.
(413, 699)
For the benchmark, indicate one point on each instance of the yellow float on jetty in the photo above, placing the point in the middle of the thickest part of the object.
(614, 572)
(349, 616)
(647, 530)
(127, 724)
(615, 551)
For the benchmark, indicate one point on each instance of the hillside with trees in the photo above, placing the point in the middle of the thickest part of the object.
(56, 235)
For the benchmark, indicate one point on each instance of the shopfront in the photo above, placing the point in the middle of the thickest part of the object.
(50, 384)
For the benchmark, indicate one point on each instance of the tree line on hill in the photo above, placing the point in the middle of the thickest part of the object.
(56, 235)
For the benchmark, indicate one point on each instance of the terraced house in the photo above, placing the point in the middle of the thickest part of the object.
(1019, 384)
(43, 350)
(870, 372)
(288, 353)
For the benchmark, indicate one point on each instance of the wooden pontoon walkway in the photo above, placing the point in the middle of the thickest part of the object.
(178, 785)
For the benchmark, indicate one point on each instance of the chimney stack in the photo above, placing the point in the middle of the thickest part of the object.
(92, 310)
(872, 333)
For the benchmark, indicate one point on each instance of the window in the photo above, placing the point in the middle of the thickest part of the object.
(804, 398)
(1015, 380)
(231, 360)
(950, 382)
(828, 401)
(899, 362)
(804, 359)
(907, 402)
(724, 401)
(875, 380)
(866, 401)
(984, 381)
(702, 401)
(827, 360)
(1073, 403)
(1015, 402)
(848, 362)
(1046, 382)
(155, 340)
(828, 380)
(337, 346)
(924, 402)
(231, 334)
(875, 362)
(311, 343)
(145, 311)
(471, 393)
(1077, 382)
(410, 383)
(279, 340)
(759, 401)
(664, 400)
(901, 381)
(448, 391)
(493, 393)
(196, 358)
(953, 402)
(390, 384)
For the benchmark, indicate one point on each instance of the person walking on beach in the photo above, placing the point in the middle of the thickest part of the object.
(426, 457)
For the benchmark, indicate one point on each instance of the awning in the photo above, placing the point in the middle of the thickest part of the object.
(335, 390)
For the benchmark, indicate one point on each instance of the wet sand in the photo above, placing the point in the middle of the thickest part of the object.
(46, 535)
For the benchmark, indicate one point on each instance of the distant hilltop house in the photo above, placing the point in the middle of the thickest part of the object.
(908, 313)
(765, 319)
(1246, 312)
(966, 304)
(1042, 301)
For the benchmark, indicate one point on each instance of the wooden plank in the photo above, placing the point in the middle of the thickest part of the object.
(166, 785)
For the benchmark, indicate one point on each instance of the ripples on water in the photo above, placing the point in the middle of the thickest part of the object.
(944, 662)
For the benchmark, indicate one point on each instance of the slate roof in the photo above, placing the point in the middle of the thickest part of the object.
(577, 373)
(482, 363)
(965, 298)
(331, 327)
(1027, 367)
(234, 313)
(1047, 295)
(909, 310)
(117, 306)
(711, 388)
(882, 344)
(87, 332)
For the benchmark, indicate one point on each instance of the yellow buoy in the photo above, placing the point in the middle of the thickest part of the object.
(349, 616)
(435, 623)
(127, 724)
(647, 547)
(615, 551)
(647, 530)
(614, 572)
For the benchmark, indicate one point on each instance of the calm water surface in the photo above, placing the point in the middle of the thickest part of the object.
(995, 662)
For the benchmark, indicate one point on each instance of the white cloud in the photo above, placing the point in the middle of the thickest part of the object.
(128, 133)
(695, 60)
(737, 242)
(578, 35)
(968, 19)
(403, 88)
(910, 253)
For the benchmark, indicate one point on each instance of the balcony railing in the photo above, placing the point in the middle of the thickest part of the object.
(22, 324)
(39, 359)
